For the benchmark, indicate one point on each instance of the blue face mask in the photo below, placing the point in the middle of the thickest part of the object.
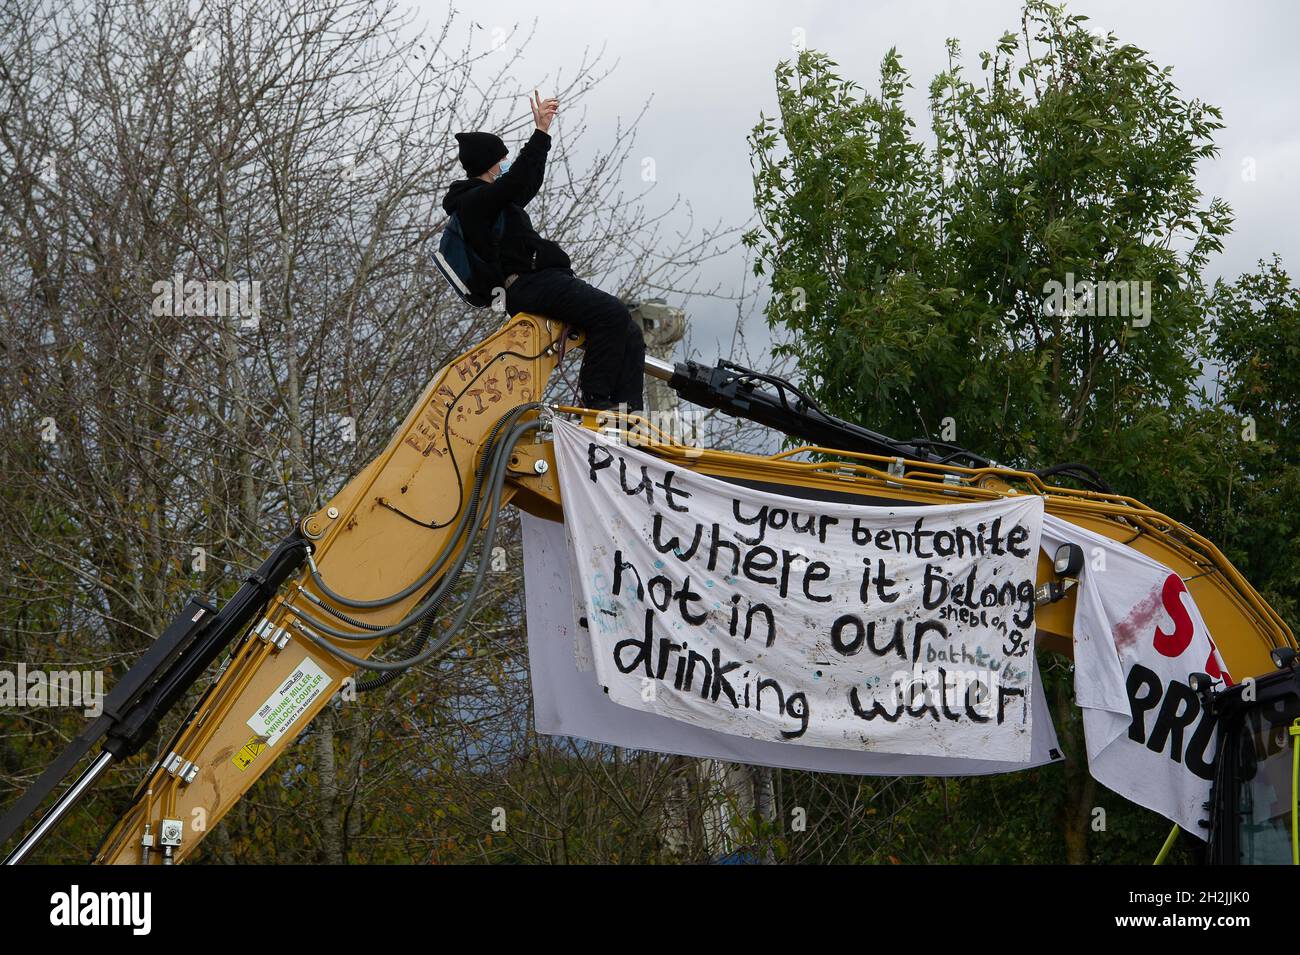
(505, 167)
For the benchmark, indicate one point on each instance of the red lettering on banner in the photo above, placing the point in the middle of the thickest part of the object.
(1171, 596)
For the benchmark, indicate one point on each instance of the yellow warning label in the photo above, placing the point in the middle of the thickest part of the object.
(249, 752)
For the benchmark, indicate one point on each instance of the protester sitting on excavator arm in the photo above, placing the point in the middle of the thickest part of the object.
(536, 273)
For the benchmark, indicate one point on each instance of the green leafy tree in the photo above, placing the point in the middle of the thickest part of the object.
(1256, 334)
(914, 274)
(1027, 280)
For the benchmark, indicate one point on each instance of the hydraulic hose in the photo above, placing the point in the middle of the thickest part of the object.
(468, 516)
(496, 481)
(496, 464)
(421, 640)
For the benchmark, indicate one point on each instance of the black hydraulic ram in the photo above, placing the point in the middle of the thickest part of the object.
(154, 684)
(772, 401)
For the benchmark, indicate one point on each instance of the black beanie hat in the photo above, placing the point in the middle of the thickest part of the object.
(479, 152)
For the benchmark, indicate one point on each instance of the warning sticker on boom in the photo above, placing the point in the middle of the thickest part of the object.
(278, 714)
(249, 752)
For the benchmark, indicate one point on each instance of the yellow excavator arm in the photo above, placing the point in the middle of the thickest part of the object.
(381, 557)
(404, 515)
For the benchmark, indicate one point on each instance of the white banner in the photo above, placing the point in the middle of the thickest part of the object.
(904, 630)
(1138, 635)
(567, 701)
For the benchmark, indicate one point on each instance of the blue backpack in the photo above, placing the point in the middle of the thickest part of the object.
(472, 277)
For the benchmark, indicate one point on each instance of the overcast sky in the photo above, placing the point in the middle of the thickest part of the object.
(708, 65)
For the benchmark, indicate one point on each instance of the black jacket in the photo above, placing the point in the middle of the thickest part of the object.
(479, 203)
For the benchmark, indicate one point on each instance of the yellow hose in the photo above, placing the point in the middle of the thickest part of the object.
(1295, 782)
(1168, 846)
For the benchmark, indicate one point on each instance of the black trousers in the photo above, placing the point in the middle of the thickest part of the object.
(613, 368)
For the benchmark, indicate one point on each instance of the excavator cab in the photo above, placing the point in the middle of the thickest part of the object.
(1254, 797)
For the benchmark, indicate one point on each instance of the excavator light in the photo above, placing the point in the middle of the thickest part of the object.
(1283, 657)
(1200, 683)
(1068, 561)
